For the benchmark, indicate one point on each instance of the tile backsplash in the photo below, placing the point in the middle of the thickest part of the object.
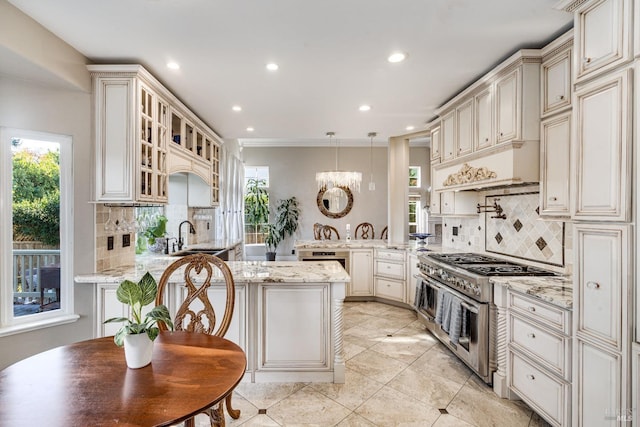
(522, 235)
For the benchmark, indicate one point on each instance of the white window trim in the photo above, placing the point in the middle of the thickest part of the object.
(8, 324)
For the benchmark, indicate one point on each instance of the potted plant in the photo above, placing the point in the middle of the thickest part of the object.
(272, 239)
(138, 332)
(256, 207)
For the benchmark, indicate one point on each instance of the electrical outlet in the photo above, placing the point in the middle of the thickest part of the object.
(126, 240)
(110, 243)
(454, 230)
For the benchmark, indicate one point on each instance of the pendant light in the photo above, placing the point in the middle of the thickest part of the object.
(372, 184)
(338, 178)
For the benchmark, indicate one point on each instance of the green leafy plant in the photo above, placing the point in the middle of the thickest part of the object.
(272, 238)
(157, 230)
(287, 216)
(137, 295)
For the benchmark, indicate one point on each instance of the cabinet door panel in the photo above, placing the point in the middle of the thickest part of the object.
(555, 148)
(435, 144)
(556, 83)
(484, 119)
(447, 129)
(601, 281)
(598, 389)
(464, 134)
(361, 266)
(602, 147)
(507, 107)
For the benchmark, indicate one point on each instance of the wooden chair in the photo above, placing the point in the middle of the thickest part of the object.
(364, 230)
(384, 235)
(328, 231)
(196, 313)
(317, 231)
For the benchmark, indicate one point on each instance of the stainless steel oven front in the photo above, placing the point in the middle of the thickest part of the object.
(325, 255)
(473, 345)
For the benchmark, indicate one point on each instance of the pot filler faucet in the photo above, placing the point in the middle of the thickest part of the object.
(191, 230)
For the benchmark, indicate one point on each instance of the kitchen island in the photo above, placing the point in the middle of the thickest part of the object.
(288, 315)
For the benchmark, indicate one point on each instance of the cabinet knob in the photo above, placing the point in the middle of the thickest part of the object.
(586, 60)
(531, 377)
(559, 97)
(553, 199)
(593, 285)
(531, 309)
(486, 139)
(531, 335)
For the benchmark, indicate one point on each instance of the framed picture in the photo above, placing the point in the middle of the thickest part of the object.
(414, 176)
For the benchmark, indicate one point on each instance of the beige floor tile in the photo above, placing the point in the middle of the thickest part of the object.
(389, 407)
(355, 420)
(538, 421)
(265, 395)
(406, 348)
(351, 348)
(364, 336)
(370, 307)
(247, 411)
(308, 407)
(447, 420)
(429, 388)
(439, 360)
(356, 318)
(376, 366)
(356, 389)
(476, 403)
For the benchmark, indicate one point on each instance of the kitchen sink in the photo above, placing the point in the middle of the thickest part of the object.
(222, 253)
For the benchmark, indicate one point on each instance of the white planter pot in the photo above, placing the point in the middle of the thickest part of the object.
(138, 350)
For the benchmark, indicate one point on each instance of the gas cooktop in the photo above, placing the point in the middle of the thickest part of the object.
(488, 266)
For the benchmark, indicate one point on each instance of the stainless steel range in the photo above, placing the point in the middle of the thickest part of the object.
(454, 299)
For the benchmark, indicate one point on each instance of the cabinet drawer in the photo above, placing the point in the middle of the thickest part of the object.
(552, 316)
(390, 269)
(389, 289)
(550, 349)
(544, 393)
(390, 255)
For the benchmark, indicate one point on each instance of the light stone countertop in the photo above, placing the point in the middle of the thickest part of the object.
(557, 290)
(243, 271)
(412, 246)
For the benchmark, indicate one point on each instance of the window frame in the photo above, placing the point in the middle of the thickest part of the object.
(418, 170)
(8, 323)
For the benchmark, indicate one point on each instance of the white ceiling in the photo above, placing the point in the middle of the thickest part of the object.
(332, 56)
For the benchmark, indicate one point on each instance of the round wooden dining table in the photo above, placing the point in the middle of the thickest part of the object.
(88, 383)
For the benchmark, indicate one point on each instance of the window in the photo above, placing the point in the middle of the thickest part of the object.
(414, 214)
(36, 234)
(256, 203)
(414, 176)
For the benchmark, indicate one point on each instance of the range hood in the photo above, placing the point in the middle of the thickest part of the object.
(508, 164)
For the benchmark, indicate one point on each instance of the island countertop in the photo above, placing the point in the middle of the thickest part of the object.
(243, 271)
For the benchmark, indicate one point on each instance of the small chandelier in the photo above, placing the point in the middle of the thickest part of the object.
(338, 178)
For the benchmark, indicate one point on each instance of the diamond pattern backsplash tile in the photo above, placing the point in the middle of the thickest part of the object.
(522, 233)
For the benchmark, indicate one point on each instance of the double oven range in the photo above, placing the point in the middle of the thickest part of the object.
(466, 277)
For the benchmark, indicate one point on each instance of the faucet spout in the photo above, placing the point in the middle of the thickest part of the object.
(192, 230)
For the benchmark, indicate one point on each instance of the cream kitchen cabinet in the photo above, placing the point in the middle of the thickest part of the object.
(361, 272)
(435, 144)
(555, 156)
(603, 35)
(447, 135)
(556, 75)
(130, 131)
(390, 274)
(602, 149)
(459, 203)
(464, 128)
(539, 359)
(412, 270)
(507, 106)
(483, 111)
(135, 138)
(632, 415)
(602, 323)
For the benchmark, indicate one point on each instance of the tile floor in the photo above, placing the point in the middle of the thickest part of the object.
(397, 375)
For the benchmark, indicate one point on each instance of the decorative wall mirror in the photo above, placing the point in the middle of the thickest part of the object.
(335, 202)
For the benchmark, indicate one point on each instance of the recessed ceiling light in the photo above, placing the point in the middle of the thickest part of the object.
(173, 65)
(410, 128)
(397, 57)
(250, 129)
(364, 108)
(272, 66)
(236, 108)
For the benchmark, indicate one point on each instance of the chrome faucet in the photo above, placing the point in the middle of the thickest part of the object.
(192, 230)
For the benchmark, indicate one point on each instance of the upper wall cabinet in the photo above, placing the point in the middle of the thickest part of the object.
(435, 144)
(483, 107)
(603, 35)
(134, 128)
(556, 75)
(602, 149)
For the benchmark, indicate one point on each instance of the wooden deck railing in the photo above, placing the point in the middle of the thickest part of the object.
(27, 274)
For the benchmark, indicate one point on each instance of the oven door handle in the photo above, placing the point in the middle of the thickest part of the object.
(469, 308)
